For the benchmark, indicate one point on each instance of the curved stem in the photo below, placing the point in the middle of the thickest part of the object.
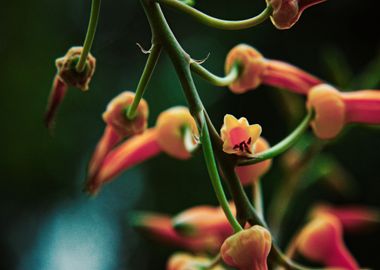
(218, 23)
(282, 146)
(214, 79)
(145, 78)
(215, 179)
(95, 9)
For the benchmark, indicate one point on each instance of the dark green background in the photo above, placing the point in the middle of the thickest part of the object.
(46, 222)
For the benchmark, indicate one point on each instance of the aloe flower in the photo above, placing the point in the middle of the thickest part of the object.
(56, 97)
(287, 12)
(256, 70)
(248, 249)
(238, 136)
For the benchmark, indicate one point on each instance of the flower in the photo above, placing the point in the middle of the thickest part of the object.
(238, 136)
(203, 220)
(334, 109)
(287, 12)
(159, 227)
(185, 261)
(256, 70)
(57, 94)
(251, 173)
(116, 115)
(248, 249)
(321, 240)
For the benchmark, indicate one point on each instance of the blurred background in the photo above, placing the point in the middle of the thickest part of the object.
(47, 222)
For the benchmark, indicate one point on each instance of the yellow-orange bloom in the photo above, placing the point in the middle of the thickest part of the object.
(252, 173)
(185, 261)
(238, 136)
(321, 241)
(116, 115)
(256, 70)
(248, 249)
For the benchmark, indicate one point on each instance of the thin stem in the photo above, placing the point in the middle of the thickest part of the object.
(282, 146)
(258, 198)
(95, 9)
(218, 23)
(215, 179)
(145, 78)
(214, 79)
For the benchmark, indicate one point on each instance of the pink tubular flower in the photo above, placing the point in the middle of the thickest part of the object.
(159, 228)
(56, 96)
(252, 173)
(174, 134)
(184, 261)
(353, 218)
(256, 70)
(203, 220)
(248, 249)
(334, 109)
(287, 12)
(321, 241)
(238, 136)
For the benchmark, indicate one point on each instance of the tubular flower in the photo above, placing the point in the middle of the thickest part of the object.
(159, 228)
(177, 132)
(334, 109)
(174, 134)
(353, 218)
(238, 136)
(256, 70)
(116, 115)
(287, 12)
(252, 173)
(321, 241)
(203, 220)
(184, 261)
(57, 95)
(248, 249)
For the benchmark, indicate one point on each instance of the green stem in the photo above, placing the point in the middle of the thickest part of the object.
(95, 9)
(218, 23)
(145, 78)
(258, 198)
(215, 179)
(282, 146)
(213, 79)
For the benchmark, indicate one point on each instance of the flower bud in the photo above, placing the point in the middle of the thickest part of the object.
(204, 220)
(184, 261)
(251, 173)
(67, 69)
(177, 132)
(256, 70)
(238, 136)
(159, 227)
(248, 249)
(56, 97)
(116, 115)
(321, 241)
(287, 12)
(329, 108)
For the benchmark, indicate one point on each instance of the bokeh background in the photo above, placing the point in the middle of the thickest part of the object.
(46, 222)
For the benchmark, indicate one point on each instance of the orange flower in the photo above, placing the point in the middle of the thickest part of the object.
(184, 261)
(238, 136)
(248, 249)
(159, 228)
(321, 241)
(116, 115)
(334, 109)
(287, 12)
(256, 70)
(252, 173)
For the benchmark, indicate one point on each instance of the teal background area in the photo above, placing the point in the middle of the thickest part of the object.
(46, 222)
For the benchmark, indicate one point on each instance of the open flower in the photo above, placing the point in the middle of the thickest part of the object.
(185, 261)
(334, 109)
(248, 249)
(256, 70)
(287, 12)
(239, 137)
(321, 241)
(251, 173)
